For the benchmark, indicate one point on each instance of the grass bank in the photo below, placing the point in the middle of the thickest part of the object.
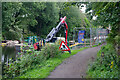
(49, 65)
(106, 64)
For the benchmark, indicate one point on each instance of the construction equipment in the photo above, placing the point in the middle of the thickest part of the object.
(55, 30)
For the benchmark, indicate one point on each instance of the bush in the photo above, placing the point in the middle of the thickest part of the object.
(105, 65)
(29, 60)
(50, 51)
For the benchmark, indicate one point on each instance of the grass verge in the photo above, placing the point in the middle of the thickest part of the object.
(106, 64)
(48, 66)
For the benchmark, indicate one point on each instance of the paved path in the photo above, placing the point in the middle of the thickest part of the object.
(76, 65)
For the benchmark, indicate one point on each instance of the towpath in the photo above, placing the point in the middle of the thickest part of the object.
(76, 65)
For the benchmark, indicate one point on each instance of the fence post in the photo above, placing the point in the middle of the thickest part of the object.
(74, 34)
(90, 37)
(97, 36)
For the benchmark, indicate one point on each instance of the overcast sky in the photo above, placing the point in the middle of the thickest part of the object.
(83, 10)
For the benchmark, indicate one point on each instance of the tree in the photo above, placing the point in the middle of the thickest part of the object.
(47, 19)
(75, 18)
(17, 17)
(38, 18)
(108, 13)
(9, 19)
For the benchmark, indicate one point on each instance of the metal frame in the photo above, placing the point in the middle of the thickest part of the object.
(94, 33)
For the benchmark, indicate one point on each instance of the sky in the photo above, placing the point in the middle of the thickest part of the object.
(83, 10)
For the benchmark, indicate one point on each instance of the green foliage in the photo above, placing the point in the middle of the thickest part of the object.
(27, 18)
(29, 59)
(49, 65)
(21, 65)
(75, 17)
(17, 17)
(107, 14)
(105, 65)
(43, 70)
(23, 19)
(45, 60)
(50, 51)
(87, 23)
(47, 19)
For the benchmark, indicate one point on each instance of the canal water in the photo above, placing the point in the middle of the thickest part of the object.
(9, 52)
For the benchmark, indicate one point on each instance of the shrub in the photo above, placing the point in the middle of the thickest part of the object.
(105, 65)
(50, 51)
(29, 60)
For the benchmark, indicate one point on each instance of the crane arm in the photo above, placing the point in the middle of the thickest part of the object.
(55, 30)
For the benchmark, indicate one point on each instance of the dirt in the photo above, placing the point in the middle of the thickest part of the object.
(76, 65)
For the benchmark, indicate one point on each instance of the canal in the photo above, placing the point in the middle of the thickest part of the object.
(9, 52)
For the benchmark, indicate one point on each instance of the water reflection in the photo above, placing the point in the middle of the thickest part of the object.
(9, 52)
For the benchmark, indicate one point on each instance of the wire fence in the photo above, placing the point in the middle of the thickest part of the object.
(84, 37)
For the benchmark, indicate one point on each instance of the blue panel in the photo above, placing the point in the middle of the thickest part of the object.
(81, 36)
